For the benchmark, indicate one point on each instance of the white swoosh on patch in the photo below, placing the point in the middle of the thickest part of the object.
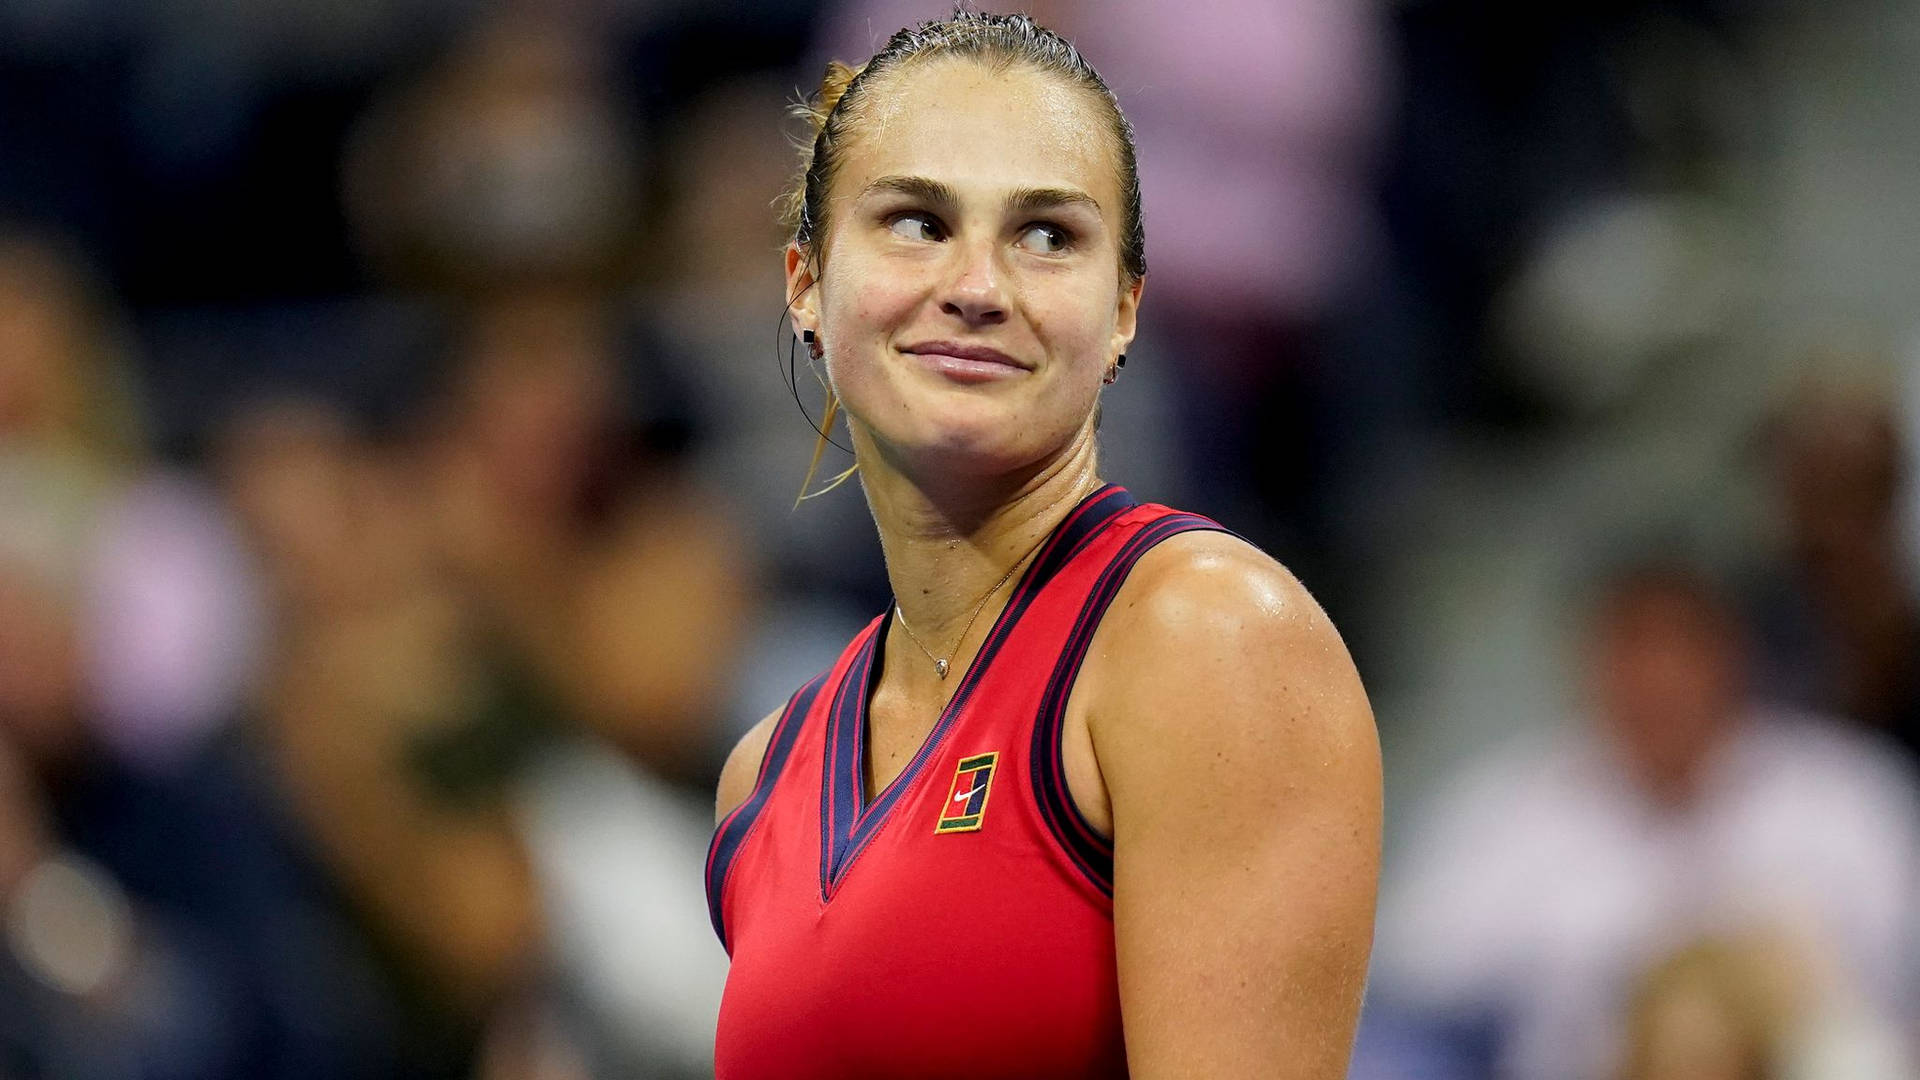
(965, 795)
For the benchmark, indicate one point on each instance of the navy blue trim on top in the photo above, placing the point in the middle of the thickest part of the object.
(848, 823)
(1089, 851)
(843, 783)
(733, 832)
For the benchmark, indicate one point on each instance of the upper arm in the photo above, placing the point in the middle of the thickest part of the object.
(1240, 757)
(742, 769)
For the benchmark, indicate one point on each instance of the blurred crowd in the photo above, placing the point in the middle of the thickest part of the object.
(399, 446)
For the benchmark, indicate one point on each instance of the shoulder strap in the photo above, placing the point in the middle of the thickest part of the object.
(1091, 852)
(733, 832)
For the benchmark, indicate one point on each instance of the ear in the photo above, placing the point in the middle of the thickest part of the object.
(1127, 315)
(803, 299)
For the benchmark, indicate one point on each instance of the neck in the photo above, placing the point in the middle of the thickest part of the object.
(948, 545)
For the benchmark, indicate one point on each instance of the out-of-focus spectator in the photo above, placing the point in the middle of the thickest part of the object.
(1553, 874)
(579, 546)
(510, 158)
(159, 922)
(576, 600)
(1840, 623)
(609, 597)
(371, 671)
(508, 178)
(162, 597)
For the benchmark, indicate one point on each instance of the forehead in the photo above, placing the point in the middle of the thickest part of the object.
(982, 130)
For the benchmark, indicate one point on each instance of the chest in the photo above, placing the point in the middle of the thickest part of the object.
(935, 929)
(973, 965)
(897, 729)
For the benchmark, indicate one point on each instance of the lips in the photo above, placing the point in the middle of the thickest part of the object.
(964, 352)
(965, 362)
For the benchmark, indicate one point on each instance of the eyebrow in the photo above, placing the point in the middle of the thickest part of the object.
(1039, 200)
(919, 187)
(1018, 201)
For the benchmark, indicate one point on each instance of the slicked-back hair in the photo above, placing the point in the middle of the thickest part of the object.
(998, 42)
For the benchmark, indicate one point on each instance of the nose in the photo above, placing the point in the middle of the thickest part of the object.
(975, 292)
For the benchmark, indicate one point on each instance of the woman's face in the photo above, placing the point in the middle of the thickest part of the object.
(971, 299)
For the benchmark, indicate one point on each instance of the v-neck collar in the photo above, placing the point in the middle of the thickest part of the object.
(847, 820)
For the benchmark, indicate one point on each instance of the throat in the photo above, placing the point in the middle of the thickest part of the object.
(904, 705)
(896, 730)
(952, 566)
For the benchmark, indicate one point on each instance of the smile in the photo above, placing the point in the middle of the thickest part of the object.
(966, 363)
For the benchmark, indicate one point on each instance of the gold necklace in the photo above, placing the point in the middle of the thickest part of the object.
(941, 664)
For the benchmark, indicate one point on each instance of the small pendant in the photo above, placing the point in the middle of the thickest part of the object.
(941, 667)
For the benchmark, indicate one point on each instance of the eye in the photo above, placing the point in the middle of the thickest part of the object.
(915, 226)
(1045, 238)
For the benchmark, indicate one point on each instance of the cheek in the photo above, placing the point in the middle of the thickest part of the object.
(1078, 324)
(863, 308)
(859, 304)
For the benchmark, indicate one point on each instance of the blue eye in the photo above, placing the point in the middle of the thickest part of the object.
(915, 227)
(1045, 239)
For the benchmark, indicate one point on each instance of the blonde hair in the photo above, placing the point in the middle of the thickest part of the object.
(793, 210)
(998, 41)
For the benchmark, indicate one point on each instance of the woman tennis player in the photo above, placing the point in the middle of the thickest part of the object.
(1099, 795)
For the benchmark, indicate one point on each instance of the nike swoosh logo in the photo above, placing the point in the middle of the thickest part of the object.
(965, 795)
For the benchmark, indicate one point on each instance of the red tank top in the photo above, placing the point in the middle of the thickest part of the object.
(961, 923)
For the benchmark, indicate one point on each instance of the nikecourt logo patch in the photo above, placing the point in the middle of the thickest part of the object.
(966, 804)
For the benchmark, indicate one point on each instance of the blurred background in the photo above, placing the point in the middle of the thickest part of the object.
(397, 527)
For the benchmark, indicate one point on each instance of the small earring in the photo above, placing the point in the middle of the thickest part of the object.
(1122, 362)
(1113, 373)
(806, 336)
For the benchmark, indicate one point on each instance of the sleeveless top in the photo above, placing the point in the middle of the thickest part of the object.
(961, 923)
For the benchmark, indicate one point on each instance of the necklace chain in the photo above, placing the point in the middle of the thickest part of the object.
(941, 664)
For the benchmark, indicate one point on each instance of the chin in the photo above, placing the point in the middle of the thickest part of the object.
(977, 430)
(983, 441)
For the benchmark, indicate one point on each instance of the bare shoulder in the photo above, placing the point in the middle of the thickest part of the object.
(742, 769)
(1240, 760)
(1208, 584)
(1208, 618)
